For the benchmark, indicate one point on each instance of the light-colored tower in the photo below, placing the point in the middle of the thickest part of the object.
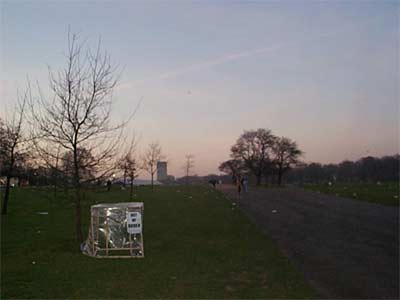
(162, 171)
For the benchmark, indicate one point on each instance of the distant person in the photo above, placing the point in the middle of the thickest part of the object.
(108, 185)
(213, 182)
(244, 183)
(239, 185)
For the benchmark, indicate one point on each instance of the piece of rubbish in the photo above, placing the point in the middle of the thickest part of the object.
(233, 203)
(354, 195)
(34, 262)
(42, 213)
(395, 196)
(274, 211)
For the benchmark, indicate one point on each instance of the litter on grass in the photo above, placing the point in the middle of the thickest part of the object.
(42, 213)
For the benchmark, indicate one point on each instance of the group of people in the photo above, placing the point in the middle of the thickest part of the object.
(242, 184)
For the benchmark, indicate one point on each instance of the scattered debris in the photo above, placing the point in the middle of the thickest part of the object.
(42, 213)
(34, 263)
(229, 288)
(233, 203)
(396, 196)
(274, 211)
(354, 195)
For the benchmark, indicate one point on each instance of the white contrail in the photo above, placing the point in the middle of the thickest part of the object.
(217, 61)
(210, 63)
(200, 66)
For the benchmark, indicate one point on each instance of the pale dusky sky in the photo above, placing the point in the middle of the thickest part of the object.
(325, 74)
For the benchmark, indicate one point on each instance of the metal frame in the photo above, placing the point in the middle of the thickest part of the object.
(94, 232)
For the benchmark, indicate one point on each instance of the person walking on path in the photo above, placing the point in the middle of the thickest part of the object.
(239, 185)
(244, 183)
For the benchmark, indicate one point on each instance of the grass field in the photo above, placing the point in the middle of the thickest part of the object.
(385, 193)
(196, 246)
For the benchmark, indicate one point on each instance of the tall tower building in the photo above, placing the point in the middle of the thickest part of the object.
(162, 171)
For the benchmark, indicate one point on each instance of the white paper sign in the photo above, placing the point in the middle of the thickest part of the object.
(134, 222)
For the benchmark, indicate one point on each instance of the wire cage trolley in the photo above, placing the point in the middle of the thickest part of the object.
(116, 231)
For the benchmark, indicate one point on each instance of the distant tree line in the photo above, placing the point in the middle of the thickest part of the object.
(262, 155)
(367, 169)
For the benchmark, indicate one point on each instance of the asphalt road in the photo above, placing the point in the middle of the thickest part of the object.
(345, 248)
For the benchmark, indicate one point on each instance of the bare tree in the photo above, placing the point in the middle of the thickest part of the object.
(12, 144)
(79, 115)
(233, 167)
(254, 148)
(287, 154)
(128, 165)
(189, 165)
(150, 158)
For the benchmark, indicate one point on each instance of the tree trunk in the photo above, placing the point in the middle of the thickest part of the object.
(6, 195)
(8, 182)
(280, 178)
(78, 222)
(77, 186)
(258, 179)
(152, 185)
(131, 194)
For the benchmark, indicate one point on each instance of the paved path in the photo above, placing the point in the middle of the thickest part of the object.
(345, 248)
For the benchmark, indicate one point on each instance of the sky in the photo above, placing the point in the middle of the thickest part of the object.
(323, 73)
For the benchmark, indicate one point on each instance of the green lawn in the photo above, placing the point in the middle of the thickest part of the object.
(196, 246)
(385, 193)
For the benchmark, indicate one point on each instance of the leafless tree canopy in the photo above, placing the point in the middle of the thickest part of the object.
(12, 144)
(78, 116)
(128, 165)
(254, 148)
(150, 158)
(263, 154)
(232, 167)
(189, 165)
(286, 155)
